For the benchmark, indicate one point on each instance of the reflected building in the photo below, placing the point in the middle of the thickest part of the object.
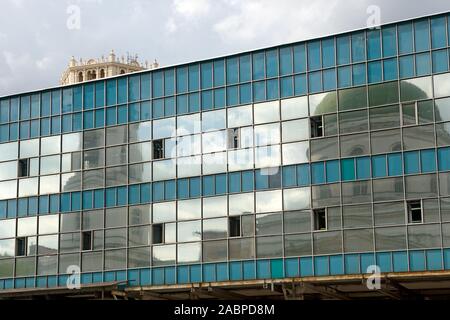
(313, 160)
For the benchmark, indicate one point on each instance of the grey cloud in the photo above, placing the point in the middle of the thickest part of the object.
(38, 43)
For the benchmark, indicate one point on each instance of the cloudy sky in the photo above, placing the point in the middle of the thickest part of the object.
(37, 38)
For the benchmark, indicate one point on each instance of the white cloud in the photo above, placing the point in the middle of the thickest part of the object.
(43, 64)
(191, 8)
(171, 26)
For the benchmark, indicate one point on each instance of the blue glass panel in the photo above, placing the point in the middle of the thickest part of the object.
(122, 91)
(422, 35)
(333, 171)
(405, 38)
(169, 274)
(146, 110)
(99, 118)
(389, 36)
(329, 79)
(289, 176)
(76, 201)
(195, 274)
(261, 180)
(4, 133)
(343, 50)
(182, 80)
(232, 70)
(88, 120)
(209, 272)
(33, 206)
(25, 107)
(272, 63)
(35, 108)
(146, 85)
(233, 95)
(170, 191)
(194, 102)
(22, 208)
(379, 166)
(303, 175)
(434, 259)
(158, 84)
(395, 164)
(183, 189)
(207, 75)
(300, 86)
(183, 274)
(400, 261)
(235, 271)
(245, 93)
(373, 44)
(194, 78)
(111, 92)
(300, 58)
(134, 194)
(417, 260)
(428, 160)
(314, 57)
(146, 193)
(3, 209)
(100, 94)
(374, 72)
(122, 196)
(247, 181)
(219, 98)
(249, 270)
(158, 191)
(344, 77)
(194, 187)
(318, 173)
(287, 87)
(390, 69)
(358, 47)
(384, 261)
(286, 61)
(54, 203)
(423, 64)
(336, 265)
(272, 89)
(263, 269)
(45, 105)
(234, 182)
(315, 81)
(56, 102)
(4, 111)
(65, 202)
(440, 61)
(292, 267)
(169, 82)
(328, 53)
(348, 169)
(321, 266)
(438, 32)
(221, 184)
(12, 208)
(411, 160)
(352, 264)
(444, 159)
(258, 66)
(276, 269)
(169, 106)
(88, 96)
(158, 108)
(14, 131)
(207, 100)
(406, 67)
(134, 88)
(259, 91)
(367, 260)
(245, 73)
(359, 74)
(87, 199)
(122, 114)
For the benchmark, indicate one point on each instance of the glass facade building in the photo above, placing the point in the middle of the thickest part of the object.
(309, 159)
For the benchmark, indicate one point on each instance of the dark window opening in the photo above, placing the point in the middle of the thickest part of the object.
(23, 168)
(316, 127)
(158, 149)
(234, 141)
(320, 219)
(235, 227)
(415, 211)
(158, 234)
(21, 247)
(87, 241)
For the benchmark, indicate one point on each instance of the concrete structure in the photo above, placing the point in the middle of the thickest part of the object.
(92, 69)
(291, 172)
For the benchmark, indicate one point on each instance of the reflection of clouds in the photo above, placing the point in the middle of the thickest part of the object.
(297, 199)
(7, 248)
(214, 141)
(191, 252)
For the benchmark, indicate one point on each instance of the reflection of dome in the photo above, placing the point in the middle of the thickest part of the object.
(91, 61)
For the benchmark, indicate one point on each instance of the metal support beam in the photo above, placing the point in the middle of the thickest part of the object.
(325, 290)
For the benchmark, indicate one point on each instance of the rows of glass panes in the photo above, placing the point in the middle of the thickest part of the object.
(412, 37)
(188, 239)
(201, 143)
